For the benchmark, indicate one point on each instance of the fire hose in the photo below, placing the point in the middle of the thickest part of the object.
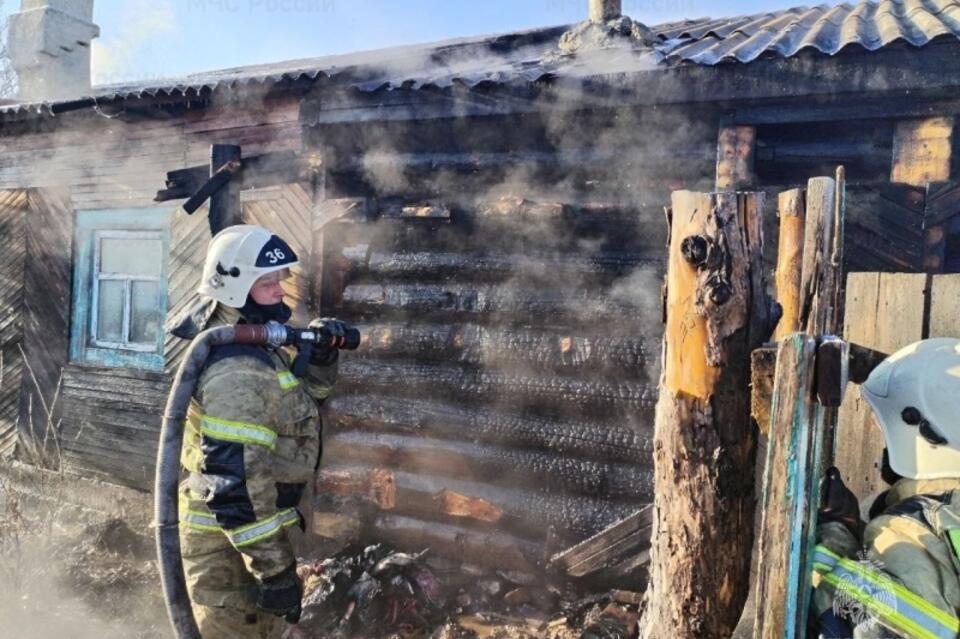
(166, 507)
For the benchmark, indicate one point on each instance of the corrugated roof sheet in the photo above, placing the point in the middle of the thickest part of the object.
(871, 25)
(531, 56)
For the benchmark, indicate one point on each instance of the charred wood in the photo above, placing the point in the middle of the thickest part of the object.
(591, 439)
(508, 466)
(481, 548)
(485, 346)
(492, 266)
(575, 395)
(624, 540)
(583, 306)
(529, 513)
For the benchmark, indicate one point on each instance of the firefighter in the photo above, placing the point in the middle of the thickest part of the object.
(251, 442)
(903, 578)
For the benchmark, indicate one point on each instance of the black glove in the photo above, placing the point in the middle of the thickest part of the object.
(332, 333)
(838, 503)
(281, 595)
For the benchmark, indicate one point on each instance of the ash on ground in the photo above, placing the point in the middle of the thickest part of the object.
(367, 592)
(65, 578)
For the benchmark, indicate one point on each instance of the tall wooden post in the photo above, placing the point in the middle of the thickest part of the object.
(736, 151)
(225, 203)
(789, 262)
(801, 427)
(717, 312)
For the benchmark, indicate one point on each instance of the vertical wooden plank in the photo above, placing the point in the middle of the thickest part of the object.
(884, 311)
(13, 210)
(816, 308)
(922, 151)
(736, 147)
(48, 276)
(944, 306)
(225, 203)
(189, 236)
(792, 210)
(785, 489)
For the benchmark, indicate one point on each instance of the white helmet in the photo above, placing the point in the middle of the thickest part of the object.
(236, 257)
(915, 394)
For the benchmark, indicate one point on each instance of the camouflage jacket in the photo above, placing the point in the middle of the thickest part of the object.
(251, 442)
(913, 543)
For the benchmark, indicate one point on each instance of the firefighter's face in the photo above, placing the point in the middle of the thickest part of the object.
(267, 291)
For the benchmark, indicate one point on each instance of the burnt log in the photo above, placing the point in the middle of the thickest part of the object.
(554, 394)
(528, 513)
(717, 312)
(465, 300)
(591, 439)
(493, 464)
(490, 346)
(224, 208)
(497, 267)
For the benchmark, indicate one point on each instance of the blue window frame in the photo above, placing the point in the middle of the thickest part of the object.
(120, 287)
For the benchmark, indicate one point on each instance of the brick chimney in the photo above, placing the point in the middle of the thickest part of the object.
(49, 46)
(604, 10)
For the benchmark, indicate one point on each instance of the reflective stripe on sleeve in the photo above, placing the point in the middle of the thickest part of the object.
(287, 380)
(241, 432)
(894, 605)
(199, 521)
(259, 530)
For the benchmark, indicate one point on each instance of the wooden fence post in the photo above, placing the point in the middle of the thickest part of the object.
(790, 261)
(800, 427)
(717, 312)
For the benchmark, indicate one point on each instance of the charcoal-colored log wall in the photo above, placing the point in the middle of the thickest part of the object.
(508, 372)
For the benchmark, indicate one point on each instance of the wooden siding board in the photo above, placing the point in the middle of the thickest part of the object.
(112, 422)
(13, 211)
(188, 247)
(47, 281)
(884, 311)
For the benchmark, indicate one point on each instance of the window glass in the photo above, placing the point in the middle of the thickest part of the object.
(131, 256)
(145, 320)
(119, 301)
(110, 311)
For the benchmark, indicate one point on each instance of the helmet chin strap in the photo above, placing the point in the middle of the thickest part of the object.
(254, 313)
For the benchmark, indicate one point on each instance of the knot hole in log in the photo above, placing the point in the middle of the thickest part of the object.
(707, 255)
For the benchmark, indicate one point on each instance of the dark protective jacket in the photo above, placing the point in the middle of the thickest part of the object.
(251, 442)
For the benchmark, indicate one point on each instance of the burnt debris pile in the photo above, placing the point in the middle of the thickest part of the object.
(372, 591)
(361, 589)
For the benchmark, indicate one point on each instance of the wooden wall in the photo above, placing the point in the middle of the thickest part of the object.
(108, 418)
(48, 276)
(509, 290)
(887, 311)
(13, 215)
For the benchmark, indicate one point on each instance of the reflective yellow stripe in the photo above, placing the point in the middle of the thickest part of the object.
(910, 614)
(259, 530)
(287, 380)
(199, 521)
(241, 432)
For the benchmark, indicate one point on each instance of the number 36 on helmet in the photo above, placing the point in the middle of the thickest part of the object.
(236, 257)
